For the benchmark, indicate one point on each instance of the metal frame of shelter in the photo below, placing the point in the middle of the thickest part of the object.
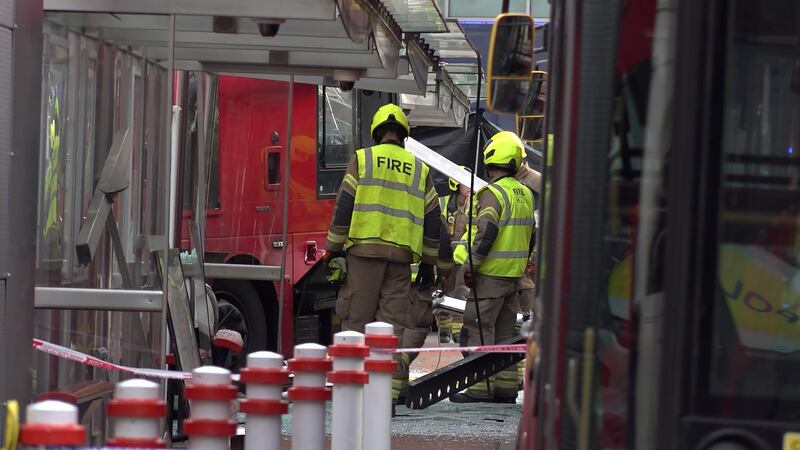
(20, 80)
(397, 46)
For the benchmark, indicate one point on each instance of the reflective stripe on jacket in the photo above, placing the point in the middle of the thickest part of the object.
(390, 198)
(509, 252)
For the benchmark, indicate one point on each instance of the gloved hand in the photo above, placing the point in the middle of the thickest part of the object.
(468, 281)
(425, 277)
(335, 266)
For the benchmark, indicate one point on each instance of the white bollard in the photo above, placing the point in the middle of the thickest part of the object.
(348, 378)
(378, 392)
(265, 377)
(137, 410)
(52, 423)
(210, 395)
(308, 395)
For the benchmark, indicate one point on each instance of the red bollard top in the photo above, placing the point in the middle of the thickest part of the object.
(264, 368)
(309, 359)
(52, 423)
(210, 383)
(380, 335)
(348, 345)
(137, 399)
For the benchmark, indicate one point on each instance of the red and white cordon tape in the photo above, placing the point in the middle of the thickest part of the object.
(499, 348)
(83, 358)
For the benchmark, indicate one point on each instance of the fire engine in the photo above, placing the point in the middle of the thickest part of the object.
(245, 207)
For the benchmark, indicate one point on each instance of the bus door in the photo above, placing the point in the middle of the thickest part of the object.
(674, 288)
(600, 72)
(730, 349)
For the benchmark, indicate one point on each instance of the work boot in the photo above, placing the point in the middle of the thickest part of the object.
(444, 336)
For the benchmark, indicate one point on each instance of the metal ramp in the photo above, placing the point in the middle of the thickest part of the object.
(441, 384)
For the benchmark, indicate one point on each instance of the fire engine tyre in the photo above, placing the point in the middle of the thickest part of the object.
(240, 309)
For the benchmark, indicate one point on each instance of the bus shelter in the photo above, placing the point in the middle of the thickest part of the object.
(112, 163)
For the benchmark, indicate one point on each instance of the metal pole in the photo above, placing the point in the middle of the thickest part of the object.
(173, 175)
(473, 289)
(206, 103)
(658, 141)
(179, 110)
(168, 208)
(20, 90)
(505, 6)
(478, 113)
(199, 200)
(286, 175)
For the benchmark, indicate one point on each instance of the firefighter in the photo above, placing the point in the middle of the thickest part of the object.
(420, 315)
(500, 248)
(387, 214)
(454, 214)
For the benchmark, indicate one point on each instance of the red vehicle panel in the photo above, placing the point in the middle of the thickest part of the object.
(246, 224)
(252, 127)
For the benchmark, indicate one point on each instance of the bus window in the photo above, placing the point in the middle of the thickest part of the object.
(754, 351)
(335, 138)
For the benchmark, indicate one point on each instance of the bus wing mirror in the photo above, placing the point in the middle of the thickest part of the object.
(508, 70)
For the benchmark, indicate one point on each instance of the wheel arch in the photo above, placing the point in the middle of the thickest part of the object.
(268, 295)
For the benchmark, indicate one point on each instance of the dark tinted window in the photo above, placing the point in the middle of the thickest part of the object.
(755, 349)
(336, 141)
(273, 168)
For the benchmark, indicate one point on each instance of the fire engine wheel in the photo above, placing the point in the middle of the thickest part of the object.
(240, 310)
